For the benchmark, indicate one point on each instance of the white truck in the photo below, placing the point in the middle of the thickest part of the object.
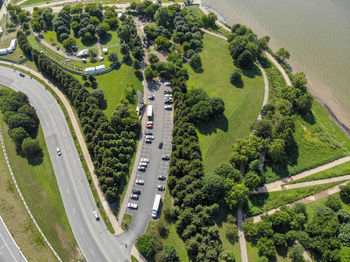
(156, 205)
(150, 112)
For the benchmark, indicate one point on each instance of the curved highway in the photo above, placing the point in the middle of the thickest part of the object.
(94, 240)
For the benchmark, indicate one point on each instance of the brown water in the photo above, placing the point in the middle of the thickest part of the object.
(315, 32)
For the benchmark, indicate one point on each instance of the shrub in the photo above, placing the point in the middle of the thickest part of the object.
(31, 148)
(345, 193)
(334, 203)
(236, 78)
(296, 253)
(145, 245)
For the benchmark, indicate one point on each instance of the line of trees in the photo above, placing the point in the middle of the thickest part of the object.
(23, 43)
(23, 125)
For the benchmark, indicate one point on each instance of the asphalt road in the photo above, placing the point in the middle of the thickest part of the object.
(93, 238)
(162, 131)
(9, 251)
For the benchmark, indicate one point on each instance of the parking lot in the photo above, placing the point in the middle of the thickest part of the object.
(162, 132)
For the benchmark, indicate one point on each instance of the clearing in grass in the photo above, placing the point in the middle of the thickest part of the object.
(242, 105)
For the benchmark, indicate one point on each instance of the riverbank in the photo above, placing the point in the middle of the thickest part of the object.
(331, 96)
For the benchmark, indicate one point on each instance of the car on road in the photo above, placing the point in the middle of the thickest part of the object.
(144, 160)
(141, 168)
(161, 187)
(136, 191)
(149, 126)
(160, 145)
(161, 177)
(168, 101)
(132, 205)
(150, 137)
(134, 196)
(148, 141)
(21, 74)
(168, 95)
(151, 97)
(168, 107)
(58, 151)
(148, 133)
(140, 182)
(167, 92)
(165, 157)
(143, 164)
(96, 215)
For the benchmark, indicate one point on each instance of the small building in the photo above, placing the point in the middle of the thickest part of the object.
(81, 53)
(105, 50)
(100, 68)
(90, 70)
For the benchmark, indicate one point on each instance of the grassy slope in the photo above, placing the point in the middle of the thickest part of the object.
(241, 104)
(39, 187)
(318, 139)
(260, 203)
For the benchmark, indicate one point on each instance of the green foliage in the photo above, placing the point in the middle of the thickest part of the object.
(145, 245)
(282, 54)
(227, 171)
(236, 78)
(266, 247)
(31, 148)
(252, 180)
(213, 185)
(235, 193)
(113, 57)
(295, 253)
(196, 63)
(334, 203)
(345, 192)
(162, 43)
(69, 43)
(170, 254)
(344, 234)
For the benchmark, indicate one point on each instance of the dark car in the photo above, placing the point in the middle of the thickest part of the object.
(148, 133)
(161, 177)
(168, 101)
(160, 145)
(165, 157)
(167, 92)
(22, 75)
(136, 191)
(161, 187)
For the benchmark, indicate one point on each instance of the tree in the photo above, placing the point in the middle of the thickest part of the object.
(245, 59)
(299, 81)
(22, 120)
(235, 193)
(266, 247)
(296, 253)
(153, 59)
(236, 78)
(200, 112)
(145, 245)
(93, 52)
(150, 74)
(304, 103)
(263, 43)
(99, 95)
(162, 43)
(345, 193)
(227, 171)
(334, 203)
(69, 43)
(31, 147)
(343, 216)
(276, 150)
(263, 128)
(344, 234)
(113, 57)
(18, 134)
(124, 49)
(282, 54)
(218, 107)
(252, 180)
(213, 186)
(136, 64)
(196, 63)
(170, 253)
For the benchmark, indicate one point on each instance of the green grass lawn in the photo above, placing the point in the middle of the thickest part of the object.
(31, 2)
(261, 203)
(341, 170)
(39, 187)
(114, 83)
(242, 105)
(318, 139)
(126, 221)
(5, 41)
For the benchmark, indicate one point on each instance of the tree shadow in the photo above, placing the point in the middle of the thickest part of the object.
(212, 127)
(282, 251)
(309, 118)
(257, 200)
(251, 72)
(138, 75)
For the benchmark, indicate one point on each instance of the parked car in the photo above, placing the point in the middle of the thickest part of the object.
(140, 182)
(144, 160)
(161, 177)
(148, 133)
(168, 107)
(141, 168)
(132, 205)
(136, 191)
(149, 123)
(149, 126)
(21, 74)
(96, 215)
(58, 151)
(167, 92)
(148, 141)
(151, 97)
(150, 137)
(168, 95)
(143, 164)
(168, 101)
(161, 187)
(165, 157)
(160, 145)
(134, 196)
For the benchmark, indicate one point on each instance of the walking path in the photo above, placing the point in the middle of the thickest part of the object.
(277, 185)
(279, 67)
(306, 200)
(316, 182)
(81, 141)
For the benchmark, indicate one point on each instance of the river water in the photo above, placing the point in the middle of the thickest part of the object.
(315, 32)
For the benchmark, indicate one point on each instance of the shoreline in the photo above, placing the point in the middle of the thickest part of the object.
(334, 113)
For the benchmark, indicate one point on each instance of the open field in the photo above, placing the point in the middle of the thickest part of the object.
(18, 221)
(39, 187)
(242, 105)
(261, 203)
(318, 139)
(5, 40)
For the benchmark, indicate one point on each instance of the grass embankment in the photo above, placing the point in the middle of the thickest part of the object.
(242, 105)
(318, 140)
(310, 210)
(18, 221)
(39, 187)
(261, 203)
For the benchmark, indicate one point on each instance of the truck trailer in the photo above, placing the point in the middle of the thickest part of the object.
(156, 205)
(150, 112)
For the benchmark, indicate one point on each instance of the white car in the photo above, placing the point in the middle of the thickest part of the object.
(132, 205)
(168, 107)
(144, 164)
(141, 168)
(58, 151)
(149, 123)
(96, 215)
(140, 182)
(144, 160)
(167, 83)
(150, 137)
(134, 196)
